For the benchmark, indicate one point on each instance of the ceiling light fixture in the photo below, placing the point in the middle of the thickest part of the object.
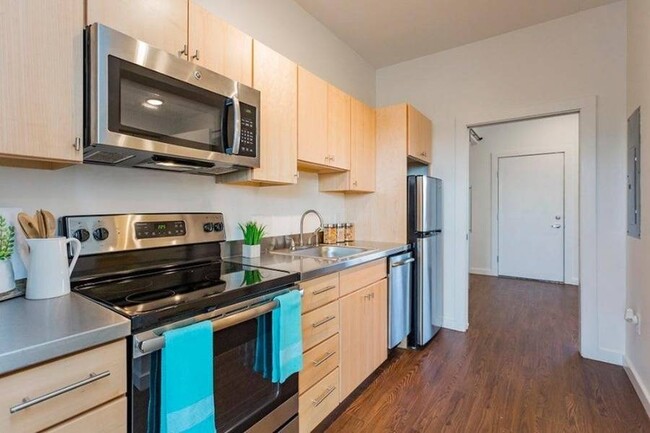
(154, 102)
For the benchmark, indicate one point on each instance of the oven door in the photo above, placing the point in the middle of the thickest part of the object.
(163, 111)
(245, 398)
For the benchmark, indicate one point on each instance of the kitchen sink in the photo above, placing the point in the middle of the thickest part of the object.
(328, 252)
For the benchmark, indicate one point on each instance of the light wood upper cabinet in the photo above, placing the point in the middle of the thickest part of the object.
(338, 128)
(363, 334)
(420, 135)
(312, 118)
(216, 45)
(41, 75)
(363, 153)
(161, 23)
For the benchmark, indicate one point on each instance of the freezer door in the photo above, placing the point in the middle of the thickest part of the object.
(400, 278)
(428, 204)
(428, 288)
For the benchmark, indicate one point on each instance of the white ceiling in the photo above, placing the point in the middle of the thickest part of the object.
(385, 32)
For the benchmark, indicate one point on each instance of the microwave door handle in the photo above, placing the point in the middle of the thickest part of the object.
(236, 136)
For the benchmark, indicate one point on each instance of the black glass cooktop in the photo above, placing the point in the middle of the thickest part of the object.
(150, 298)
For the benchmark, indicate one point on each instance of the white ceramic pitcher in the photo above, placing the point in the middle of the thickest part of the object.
(49, 272)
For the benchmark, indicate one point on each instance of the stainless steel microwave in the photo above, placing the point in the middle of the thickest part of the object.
(147, 108)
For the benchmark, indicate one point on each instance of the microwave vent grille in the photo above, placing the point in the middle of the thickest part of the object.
(104, 157)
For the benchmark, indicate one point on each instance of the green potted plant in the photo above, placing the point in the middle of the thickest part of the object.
(253, 233)
(7, 239)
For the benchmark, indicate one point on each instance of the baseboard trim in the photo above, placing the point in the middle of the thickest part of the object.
(482, 271)
(639, 387)
(454, 325)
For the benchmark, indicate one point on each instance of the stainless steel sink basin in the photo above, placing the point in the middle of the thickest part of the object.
(328, 252)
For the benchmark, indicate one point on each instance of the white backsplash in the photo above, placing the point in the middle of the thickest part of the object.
(89, 189)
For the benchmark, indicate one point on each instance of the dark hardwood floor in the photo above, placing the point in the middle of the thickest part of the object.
(516, 370)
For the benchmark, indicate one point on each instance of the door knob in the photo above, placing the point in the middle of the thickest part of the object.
(558, 217)
(556, 226)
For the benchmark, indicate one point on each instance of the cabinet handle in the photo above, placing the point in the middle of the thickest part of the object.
(27, 402)
(323, 321)
(325, 357)
(183, 52)
(77, 144)
(330, 389)
(423, 154)
(331, 157)
(369, 296)
(196, 55)
(354, 183)
(323, 290)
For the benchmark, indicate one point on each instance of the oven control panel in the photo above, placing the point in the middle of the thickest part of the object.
(111, 233)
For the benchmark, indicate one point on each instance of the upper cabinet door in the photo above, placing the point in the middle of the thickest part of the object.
(41, 75)
(338, 128)
(161, 23)
(276, 78)
(312, 118)
(216, 45)
(420, 135)
(363, 149)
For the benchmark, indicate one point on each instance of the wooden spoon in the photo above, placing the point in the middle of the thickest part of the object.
(29, 226)
(42, 229)
(50, 223)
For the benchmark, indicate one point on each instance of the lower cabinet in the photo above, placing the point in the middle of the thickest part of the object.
(344, 324)
(76, 390)
(363, 334)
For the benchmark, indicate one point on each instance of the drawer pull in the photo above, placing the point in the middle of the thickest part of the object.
(323, 290)
(330, 389)
(323, 321)
(27, 402)
(325, 357)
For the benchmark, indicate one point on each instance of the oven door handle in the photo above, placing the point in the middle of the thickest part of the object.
(236, 317)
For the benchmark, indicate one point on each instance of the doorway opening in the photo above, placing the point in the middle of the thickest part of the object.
(524, 199)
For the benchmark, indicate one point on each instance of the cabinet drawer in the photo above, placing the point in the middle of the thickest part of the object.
(319, 291)
(361, 276)
(318, 362)
(318, 402)
(65, 388)
(319, 325)
(109, 418)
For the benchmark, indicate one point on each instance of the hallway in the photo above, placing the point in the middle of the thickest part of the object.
(516, 370)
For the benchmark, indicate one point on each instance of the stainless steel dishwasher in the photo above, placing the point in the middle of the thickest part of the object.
(400, 280)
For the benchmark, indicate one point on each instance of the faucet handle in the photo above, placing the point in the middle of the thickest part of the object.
(315, 234)
(292, 243)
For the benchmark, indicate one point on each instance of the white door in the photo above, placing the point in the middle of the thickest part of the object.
(531, 216)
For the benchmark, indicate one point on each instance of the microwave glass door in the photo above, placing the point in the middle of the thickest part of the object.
(150, 105)
(243, 391)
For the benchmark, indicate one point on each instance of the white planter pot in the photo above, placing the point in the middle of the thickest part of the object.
(7, 281)
(250, 251)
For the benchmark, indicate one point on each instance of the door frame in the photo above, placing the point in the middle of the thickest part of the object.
(494, 213)
(458, 282)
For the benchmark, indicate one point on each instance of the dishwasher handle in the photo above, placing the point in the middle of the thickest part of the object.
(402, 263)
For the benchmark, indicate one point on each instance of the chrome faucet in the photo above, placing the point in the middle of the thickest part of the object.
(302, 224)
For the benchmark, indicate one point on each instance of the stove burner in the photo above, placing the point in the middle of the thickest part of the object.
(138, 298)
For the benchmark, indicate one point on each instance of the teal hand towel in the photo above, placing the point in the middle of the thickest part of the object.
(187, 386)
(287, 336)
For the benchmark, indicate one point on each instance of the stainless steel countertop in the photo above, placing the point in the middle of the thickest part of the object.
(314, 267)
(35, 331)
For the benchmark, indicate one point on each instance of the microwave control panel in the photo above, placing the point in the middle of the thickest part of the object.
(248, 143)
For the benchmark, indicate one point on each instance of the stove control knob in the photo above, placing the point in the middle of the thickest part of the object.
(208, 227)
(218, 227)
(82, 235)
(100, 234)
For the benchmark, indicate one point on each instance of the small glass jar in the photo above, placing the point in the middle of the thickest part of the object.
(349, 232)
(340, 232)
(329, 233)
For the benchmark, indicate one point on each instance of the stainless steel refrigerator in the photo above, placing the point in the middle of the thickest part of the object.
(424, 225)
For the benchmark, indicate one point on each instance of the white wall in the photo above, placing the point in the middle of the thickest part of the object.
(549, 134)
(575, 57)
(287, 28)
(283, 26)
(637, 349)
